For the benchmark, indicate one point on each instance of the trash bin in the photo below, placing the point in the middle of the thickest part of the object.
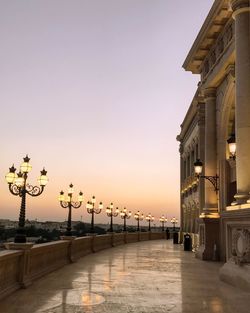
(175, 238)
(187, 242)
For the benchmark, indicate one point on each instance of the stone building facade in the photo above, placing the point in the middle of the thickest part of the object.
(219, 221)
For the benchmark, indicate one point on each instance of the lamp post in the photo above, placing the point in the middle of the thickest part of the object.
(163, 220)
(149, 218)
(111, 213)
(18, 186)
(125, 216)
(138, 217)
(174, 221)
(213, 179)
(67, 202)
(92, 210)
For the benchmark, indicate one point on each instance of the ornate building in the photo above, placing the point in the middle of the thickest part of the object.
(215, 206)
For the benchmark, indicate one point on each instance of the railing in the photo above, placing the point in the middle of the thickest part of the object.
(19, 268)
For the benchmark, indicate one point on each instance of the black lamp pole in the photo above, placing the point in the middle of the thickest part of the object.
(125, 216)
(18, 186)
(92, 210)
(111, 213)
(138, 217)
(69, 203)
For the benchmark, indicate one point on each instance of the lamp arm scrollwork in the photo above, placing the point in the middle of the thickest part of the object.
(213, 180)
(34, 191)
(15, 190)
(76, 204)
(64, 204)
(97, 210)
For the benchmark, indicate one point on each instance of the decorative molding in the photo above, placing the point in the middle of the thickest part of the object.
(241, 246)
(219, 48)
(230, 72)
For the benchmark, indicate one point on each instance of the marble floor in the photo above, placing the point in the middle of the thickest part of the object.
(144, 277)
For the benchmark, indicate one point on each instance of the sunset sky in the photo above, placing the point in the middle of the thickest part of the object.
(94, 90)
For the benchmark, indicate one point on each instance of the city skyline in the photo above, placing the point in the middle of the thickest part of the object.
(94, 92)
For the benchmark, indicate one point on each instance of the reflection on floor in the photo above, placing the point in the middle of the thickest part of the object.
(144, 277)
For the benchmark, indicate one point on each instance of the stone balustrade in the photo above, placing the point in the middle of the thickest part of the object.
(18, 268)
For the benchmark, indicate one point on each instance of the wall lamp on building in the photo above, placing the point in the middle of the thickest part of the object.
(198, 170)
(125, 216)
(163, 220)
(67, 202)
(18, 186)
(232, 146)
(149, 218)
(138, 217)
(174, 221)
(90, 206)
(111, 213)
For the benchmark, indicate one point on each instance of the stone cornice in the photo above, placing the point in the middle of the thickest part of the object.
(190, 115)
(212, 27)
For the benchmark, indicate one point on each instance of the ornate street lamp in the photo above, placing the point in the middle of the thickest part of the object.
(232, 146)
(111, 213)
(174, 221)
(18, 186)
(213, 179)
(138, 217)
(163, 220)
(125, 216)
(67, 202)
(149, 218)
(90, 206)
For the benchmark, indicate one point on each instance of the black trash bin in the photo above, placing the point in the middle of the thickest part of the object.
(175, 237)
(187, 242)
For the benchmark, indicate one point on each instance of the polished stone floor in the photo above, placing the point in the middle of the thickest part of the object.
(145, 277)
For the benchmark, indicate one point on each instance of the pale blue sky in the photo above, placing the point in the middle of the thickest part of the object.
(95, 91)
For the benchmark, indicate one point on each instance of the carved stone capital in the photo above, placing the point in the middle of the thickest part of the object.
(209, 93)
(239, 4)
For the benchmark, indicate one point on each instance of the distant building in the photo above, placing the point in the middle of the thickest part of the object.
(217, 122)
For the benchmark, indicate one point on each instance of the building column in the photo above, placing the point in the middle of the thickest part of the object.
(241, 14)
(210, 164)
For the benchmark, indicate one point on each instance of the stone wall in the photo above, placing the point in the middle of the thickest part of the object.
(19, 268)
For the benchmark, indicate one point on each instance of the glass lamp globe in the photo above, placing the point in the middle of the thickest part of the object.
(61, 196)
(11, 176)
(19, 181)
(80, 197)
(198, 167)
(232, 145)
(43, 179)
(26, 166)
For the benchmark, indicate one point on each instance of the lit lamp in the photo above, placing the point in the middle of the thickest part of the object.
(138, 217)
(174, 221)
(125, 216)
(18, 186)
(149, 218)
(198, 170)
(232, 146)
(67, 202)
(163, 220)
(90, 206)
(111, 213)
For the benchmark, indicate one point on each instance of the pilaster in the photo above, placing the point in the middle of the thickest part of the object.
(211, 203)
(241, 14)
